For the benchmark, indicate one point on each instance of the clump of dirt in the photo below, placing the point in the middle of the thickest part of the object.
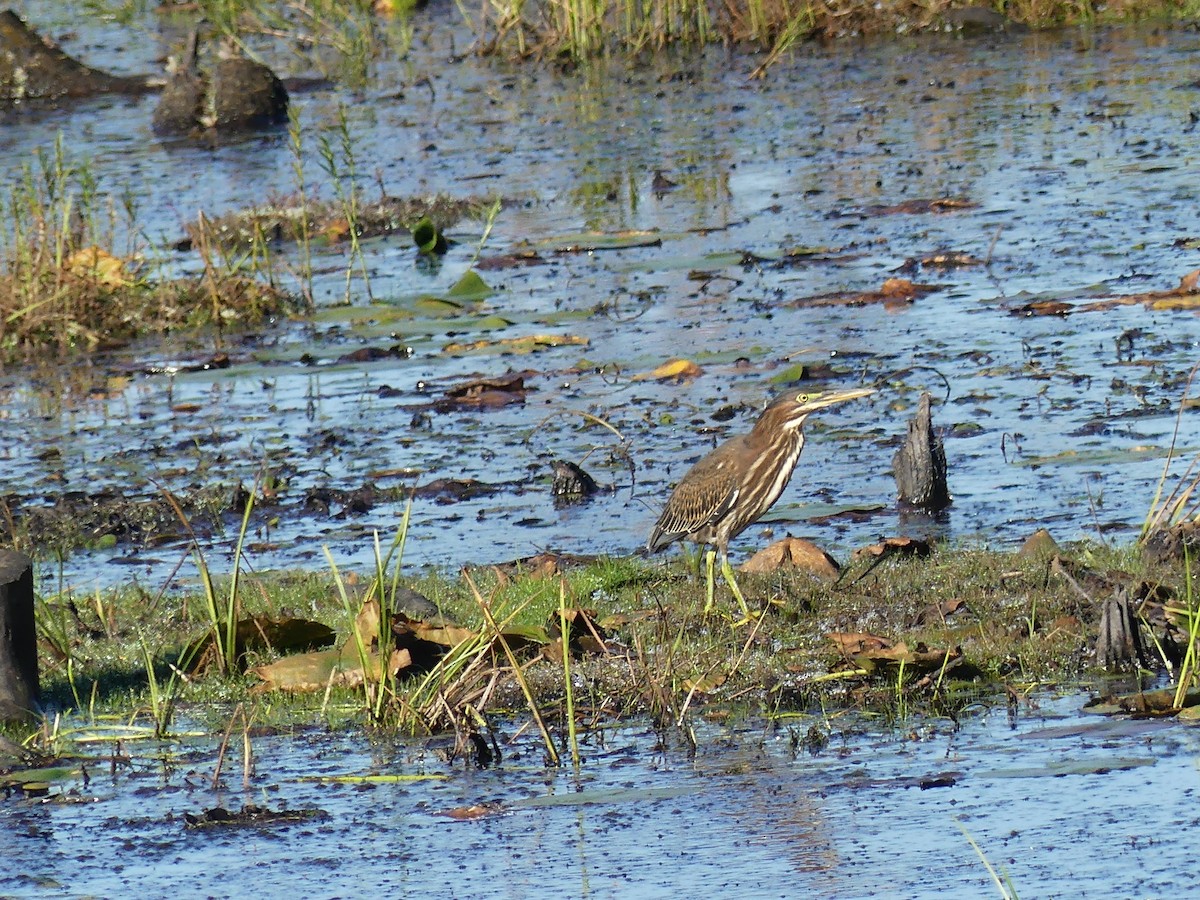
(297, 219)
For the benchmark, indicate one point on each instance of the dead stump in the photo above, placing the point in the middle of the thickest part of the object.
(234, 94)
(1120, 641)
(920, 465)
(18, 638)
(35, 71)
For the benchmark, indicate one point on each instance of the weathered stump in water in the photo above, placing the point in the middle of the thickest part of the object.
(571, 483)
(33, 70)
(920, 465)
(237, 94)
(18, 638)
(1120, 640)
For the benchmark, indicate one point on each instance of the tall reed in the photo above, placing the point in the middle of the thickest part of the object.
(339, 162)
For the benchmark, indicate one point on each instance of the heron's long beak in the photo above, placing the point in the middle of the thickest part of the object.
(834, 397)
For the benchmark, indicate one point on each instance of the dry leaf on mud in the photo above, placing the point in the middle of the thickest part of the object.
(1044, 308)
(678, 369)
(446, 634)
(892, 293)
(312, 672)
(540, 565)
(852, 643)
(868, 650)
(485, 393)
(794, 553)
(521, 345)
(938, 613)
(261, 632)
(1183, 297)
(584, 634)
(474, 811)
(704, 684)
(894, 546)
(95, 266)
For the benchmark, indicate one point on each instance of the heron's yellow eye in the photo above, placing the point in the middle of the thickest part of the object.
(802, 398)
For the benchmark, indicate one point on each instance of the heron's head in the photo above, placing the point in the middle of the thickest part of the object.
(788, 412)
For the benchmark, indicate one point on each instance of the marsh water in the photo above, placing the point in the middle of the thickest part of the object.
(1075, 157)
(1061, 804)
(1074, 152)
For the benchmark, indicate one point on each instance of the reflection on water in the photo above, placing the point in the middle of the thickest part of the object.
(1075, 149)
(872, 815)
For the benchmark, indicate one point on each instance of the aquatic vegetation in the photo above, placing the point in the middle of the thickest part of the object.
(74, 274)
(956, 625)
(584, 28)
(339, 39)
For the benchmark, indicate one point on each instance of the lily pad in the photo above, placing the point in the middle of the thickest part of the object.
(438, 306)
(1059, 768)
(470, 287)
(677, 369)
(526, 344)
(428, 238)
(588, 241)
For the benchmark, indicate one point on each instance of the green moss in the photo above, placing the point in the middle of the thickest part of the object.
(992, 622)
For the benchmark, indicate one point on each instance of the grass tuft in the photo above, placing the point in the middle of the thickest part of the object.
(74, 277)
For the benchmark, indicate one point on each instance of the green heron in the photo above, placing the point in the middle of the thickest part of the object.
(732, 486)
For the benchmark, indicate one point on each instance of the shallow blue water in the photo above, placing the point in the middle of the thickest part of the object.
(1075, 147)
(1065, 804)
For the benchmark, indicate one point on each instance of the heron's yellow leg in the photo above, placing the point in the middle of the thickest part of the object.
(727, 571)
(710, 569)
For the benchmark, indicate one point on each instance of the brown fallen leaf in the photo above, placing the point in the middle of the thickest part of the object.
(938, 613)
(584, 634)
(678, 369)
(95, 266)
(704, 684)
(868, 650)
(1038, 544)
(446, 635)
(510, 261)
(542, 565)
(892, 293)
(261, 632)
(336, 230)
(793, 553)
(474, 811)
(485, 393)
(1044, 308)
(918, 207)
(520, 345)
(894, 546)
(1182, 297)
(312, 672)
(1184, 302)
(854, 643)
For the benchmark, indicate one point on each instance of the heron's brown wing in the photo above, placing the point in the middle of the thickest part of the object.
(702, 498)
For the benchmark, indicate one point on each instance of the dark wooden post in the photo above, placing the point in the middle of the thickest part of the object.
(920, 465)
(1120, 641)
(18, 638)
